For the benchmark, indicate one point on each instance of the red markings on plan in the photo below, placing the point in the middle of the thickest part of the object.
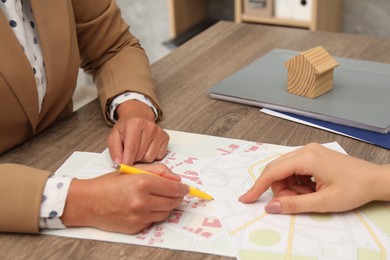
(152, 235)
(231, 148)
(172, 161)
(192, 176)
(207, 229)
(175, 217)
(199, 231)
(194, 203)
(254, 147)
(212, 222)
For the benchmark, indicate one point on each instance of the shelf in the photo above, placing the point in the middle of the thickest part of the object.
(326, 15)
(275, 21)
(187, 17)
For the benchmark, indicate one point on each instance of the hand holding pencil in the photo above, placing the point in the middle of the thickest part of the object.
(132, 170)
(118, 202)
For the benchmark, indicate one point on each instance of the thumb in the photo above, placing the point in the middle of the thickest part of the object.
(295, 204)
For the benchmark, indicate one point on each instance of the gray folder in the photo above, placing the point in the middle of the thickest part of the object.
(360, 95)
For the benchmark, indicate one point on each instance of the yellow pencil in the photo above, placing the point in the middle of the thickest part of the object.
(132, 170)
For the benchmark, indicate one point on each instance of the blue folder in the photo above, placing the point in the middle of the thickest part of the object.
(382, 140)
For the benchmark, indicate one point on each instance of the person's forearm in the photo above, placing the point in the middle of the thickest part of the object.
(135, 108)
(77, 204)
(381, 183)
(127, 96)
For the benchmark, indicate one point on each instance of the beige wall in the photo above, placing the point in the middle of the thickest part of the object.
(369, 17)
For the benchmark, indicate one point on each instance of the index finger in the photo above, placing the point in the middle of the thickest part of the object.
(131, 143)
(159, 169)
(167, 188)
(115, 146)
(279, 169)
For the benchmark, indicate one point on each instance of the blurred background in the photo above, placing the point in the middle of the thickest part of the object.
(150, 21)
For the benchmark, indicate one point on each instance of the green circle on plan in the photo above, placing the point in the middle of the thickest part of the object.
(265, 237)
(318, 217)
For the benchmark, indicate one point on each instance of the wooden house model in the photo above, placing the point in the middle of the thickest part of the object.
(310, 73)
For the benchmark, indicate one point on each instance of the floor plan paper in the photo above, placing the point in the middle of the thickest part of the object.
(194, 226)
(358, 234)
(226, 168)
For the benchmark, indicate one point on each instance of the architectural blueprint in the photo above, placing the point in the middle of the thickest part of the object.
(358, 234)
(226, 168)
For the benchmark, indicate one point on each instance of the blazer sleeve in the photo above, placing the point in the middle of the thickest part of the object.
(21, 190)
(110, 53)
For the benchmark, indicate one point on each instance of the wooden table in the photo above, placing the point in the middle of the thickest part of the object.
(182, 79)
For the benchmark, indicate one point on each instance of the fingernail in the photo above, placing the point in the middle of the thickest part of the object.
(242, 198)
(273, 207)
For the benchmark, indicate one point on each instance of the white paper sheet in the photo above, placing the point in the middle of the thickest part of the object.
(226, 168)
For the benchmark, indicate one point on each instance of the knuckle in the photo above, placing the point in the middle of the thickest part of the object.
(311, 153)
(141, 183)
(161, 166)
(312, 147)
(131, 147)
(162, 153)
(163, 135)
(266, 169)
(148, 158)
(137, 205)
(290, 205)
(136, 122)
(153, 128)
(265, 176)
(267, 166)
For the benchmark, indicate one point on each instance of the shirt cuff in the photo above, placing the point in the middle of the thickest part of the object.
(53, 201)
(115, 102)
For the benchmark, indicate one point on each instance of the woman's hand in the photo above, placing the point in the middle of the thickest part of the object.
(136, 137)
(341, 182)
(124, 203)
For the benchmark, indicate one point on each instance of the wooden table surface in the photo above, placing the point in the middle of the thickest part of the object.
(182, 79)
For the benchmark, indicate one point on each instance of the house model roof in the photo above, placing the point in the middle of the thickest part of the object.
(319, 58)
(310, 73)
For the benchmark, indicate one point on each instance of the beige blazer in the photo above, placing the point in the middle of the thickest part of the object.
(72, 33)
